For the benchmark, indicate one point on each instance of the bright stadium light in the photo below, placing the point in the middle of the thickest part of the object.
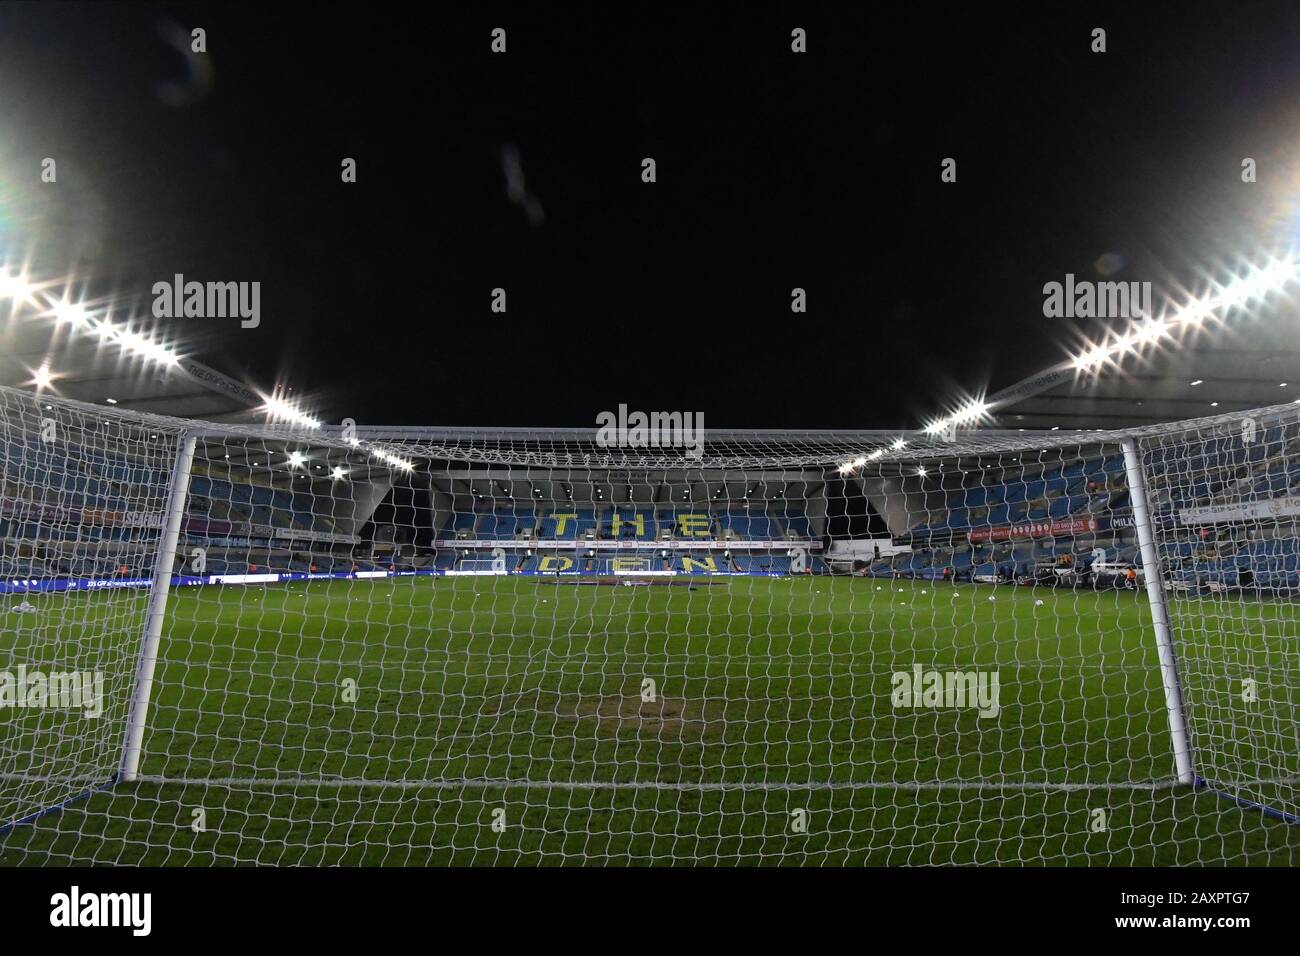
(844, 469)
(1151, 331)
(337, 473)
(972, 411)
(967, 413)
(133, 343)
(296, 459)
(15, 288)
(42, 377)
(277, 409)
(137, 344)
(1255, 283)
(70, 312)
(1146, 333)
(395, 460)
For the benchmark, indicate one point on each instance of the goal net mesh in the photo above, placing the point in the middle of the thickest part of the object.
(1225, 499)
(385, 646)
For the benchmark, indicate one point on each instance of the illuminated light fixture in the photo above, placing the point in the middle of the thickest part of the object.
(111, 401)
(844, 469)
(278, 409)
(1214, 404)
(971, 411)
(337, 473)
(1255, 284)
(920, 471)
(71, 312)
(138, 344)
(1092, 358)
(1281, 384)
(1199, 381)
(296, 459)
(875, 454)
(135, 343)
(394, 460)
(1151, 331)
(899, 443)
(16, 288)
(42, 377)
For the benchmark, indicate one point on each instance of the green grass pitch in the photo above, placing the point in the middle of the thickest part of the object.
(771, 738)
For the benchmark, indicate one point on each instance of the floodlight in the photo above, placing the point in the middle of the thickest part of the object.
(15, 288)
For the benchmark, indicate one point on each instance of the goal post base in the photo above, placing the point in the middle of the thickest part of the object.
(1243, 803)
(6, 828)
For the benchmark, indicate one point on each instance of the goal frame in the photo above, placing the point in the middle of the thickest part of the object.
(137, 721)
(576, 449)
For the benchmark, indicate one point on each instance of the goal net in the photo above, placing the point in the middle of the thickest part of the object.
(1225, 500)
(393, 646)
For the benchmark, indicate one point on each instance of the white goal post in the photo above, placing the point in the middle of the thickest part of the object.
(400, 646)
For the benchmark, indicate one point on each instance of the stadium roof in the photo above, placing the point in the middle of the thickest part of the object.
(1234, 347)
(89, 351)
(1226, 380)
(1228, 351)
(83, 371)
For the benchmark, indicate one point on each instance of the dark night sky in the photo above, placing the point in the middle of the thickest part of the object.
(775, 170)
